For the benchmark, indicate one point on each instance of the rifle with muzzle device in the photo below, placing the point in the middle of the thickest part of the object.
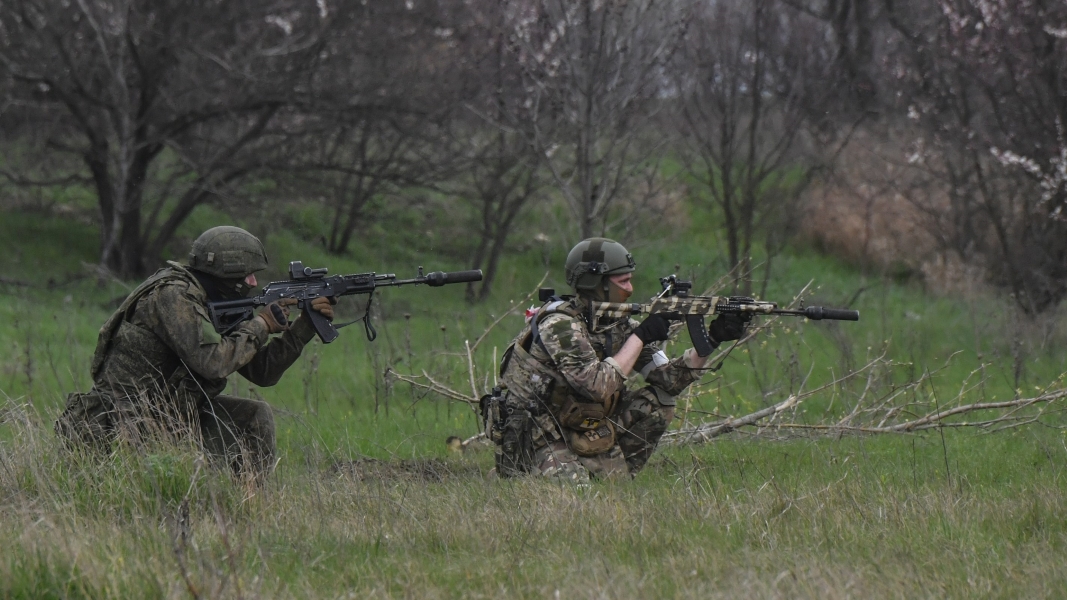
(675, 303)
(305, 284)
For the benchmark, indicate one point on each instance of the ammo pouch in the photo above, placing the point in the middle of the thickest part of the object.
(510, 427)
(584, 416)
(591, 442)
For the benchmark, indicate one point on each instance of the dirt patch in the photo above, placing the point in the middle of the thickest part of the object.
(429, 470)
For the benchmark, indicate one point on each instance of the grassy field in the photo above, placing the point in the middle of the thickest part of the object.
(367, 502)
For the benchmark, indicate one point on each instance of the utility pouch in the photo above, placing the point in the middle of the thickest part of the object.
(583, 416)
(492, 407)
(87, 420)
(593, 441)
(510, 427)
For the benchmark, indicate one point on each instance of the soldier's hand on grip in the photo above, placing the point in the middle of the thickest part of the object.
(324, 306)
(655, 328)
(276, 315)
(727, 328)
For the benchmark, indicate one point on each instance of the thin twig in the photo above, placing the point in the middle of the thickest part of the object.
(470, 370)
(515, 307)
(433, 386)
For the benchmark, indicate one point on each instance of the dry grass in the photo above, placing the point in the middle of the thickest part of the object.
(807, 518)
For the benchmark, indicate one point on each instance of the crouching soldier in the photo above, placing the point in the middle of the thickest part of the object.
(566, 411)
(160, 367)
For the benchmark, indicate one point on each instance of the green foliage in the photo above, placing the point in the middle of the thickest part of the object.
(36, 576)
(962, 515)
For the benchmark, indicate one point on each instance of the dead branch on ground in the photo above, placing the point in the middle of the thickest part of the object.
(903, 408)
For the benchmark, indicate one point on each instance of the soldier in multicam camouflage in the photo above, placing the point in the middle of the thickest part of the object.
(566, 374)
(160, 367)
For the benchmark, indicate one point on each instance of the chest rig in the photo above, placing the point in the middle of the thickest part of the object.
(538, 383)
(119, 320)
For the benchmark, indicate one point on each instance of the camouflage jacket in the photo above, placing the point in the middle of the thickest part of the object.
(161, 344)
(574, 361)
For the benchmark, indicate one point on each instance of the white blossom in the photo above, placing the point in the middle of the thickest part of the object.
(1053, 179)
(284, 24)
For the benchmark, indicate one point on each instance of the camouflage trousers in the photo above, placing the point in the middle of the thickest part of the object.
(236, 432)
(640, 420)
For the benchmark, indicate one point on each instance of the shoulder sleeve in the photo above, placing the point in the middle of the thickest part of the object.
(270, 363)
(567, 343)
(671, 376)
(181, 321)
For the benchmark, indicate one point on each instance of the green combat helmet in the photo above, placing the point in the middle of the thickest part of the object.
(590, 263)
(227, 253)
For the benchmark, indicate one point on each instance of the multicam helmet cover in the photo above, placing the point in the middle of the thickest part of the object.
(592, 261)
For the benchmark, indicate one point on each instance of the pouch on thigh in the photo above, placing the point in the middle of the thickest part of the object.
(556, 459)
(86, 421)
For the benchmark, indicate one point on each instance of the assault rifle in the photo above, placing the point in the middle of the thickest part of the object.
(675, 303)
(305, 284)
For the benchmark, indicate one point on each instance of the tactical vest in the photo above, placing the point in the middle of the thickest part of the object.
(118, 324)
(540, 386)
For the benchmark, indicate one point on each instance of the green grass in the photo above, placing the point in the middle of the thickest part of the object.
(958, 513)
(851, 517)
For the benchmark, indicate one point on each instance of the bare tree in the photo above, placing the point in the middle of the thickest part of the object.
(162, 105)
(350, 160)
(503, 178)
(594, 73)
(501, 171)
(386, 90)
(750, 78)
(984, 85)
(853, 26)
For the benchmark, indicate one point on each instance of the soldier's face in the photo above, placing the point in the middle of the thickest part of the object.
(251, 280)
(619, 287)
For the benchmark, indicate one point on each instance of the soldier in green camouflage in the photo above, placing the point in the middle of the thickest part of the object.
(160, 367)
(566, 377)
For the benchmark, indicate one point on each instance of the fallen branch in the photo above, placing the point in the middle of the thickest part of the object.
(884, 414)
(15, 282)
(936, 419)
(433, 386)
(705, 431)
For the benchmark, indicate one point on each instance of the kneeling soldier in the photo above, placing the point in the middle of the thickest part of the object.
(566, 411)
(160, 367)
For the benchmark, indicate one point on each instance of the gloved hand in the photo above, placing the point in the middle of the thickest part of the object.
(276, 315)
(726, 328)
(653, 329)
(324, 306)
